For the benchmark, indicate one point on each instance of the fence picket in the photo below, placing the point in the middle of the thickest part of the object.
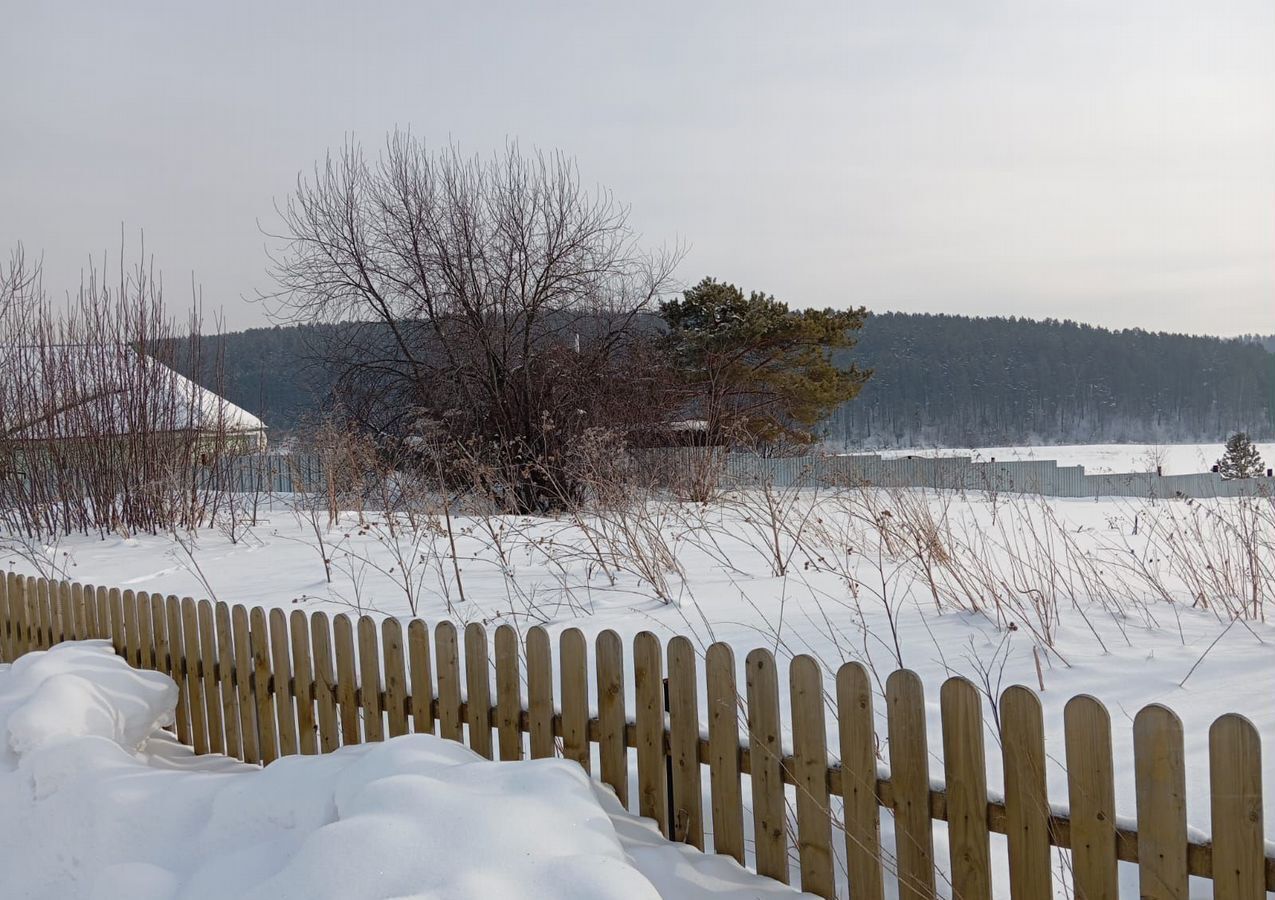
(208, 670)
(347, 681)
(324, 683)
(1160, 785)
(116, 603)
(370, 681)
(857, 727)
(193, 676)
(447, 659)
(965, 774)
(395, 676)
(723, 752)
(687, 816)
(1091, 792)
(540, 692)
(648, 669)
(508, 694)
(244, 677)
(48, 613)
(132, 629)
(176, 656)
(267, 747)
(229, 697)
(422, 677)
(573, 667)
(1235, 783)
(810, 772)
(613, 748)
(910, 780)
(1026, 801)
(7, 653)
(477, 690)
(765, 755)
(303, 683)
(281, 664)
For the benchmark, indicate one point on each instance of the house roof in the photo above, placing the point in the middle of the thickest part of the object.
(67, 391)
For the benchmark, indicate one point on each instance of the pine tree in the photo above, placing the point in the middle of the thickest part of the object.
(1241, 459)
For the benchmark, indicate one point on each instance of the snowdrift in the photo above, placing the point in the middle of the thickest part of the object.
(97, 801)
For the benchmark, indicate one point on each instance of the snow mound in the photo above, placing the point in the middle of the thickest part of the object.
(100, 803)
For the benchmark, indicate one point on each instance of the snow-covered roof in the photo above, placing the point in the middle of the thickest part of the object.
(67, 391)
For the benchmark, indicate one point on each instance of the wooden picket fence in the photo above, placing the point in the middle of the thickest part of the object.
(257, 684)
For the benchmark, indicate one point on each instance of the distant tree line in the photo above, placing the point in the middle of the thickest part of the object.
(937, 379)
(959, 381)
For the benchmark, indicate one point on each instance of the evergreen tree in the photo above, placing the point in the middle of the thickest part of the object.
(1241, 459)
(759, 372)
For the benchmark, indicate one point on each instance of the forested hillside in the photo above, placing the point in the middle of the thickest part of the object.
(962, 381)
(938, 379)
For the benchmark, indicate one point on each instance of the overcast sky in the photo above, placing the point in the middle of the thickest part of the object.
(1111, 162)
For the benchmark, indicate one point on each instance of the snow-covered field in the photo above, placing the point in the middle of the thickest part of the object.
(1175, 459)
(1132, 601)
(97, 802)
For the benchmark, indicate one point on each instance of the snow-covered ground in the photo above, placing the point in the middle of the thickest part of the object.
(96, 802)
(1132, 601)
(1176, 459)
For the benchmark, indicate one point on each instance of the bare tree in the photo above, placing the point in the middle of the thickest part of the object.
(494, 307)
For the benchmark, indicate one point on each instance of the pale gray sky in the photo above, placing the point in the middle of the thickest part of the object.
(1112, 162)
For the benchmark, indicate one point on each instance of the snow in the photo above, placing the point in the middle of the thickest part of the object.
(99, 803)
(1098, 459)
(1110, 633)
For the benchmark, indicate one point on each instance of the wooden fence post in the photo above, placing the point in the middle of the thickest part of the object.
(613, 749)
(1091, 792)
(810, 772)
(422, 677)
(230, 715)
(281, 662)
(395, 676)
(208, 664)
(686, 818)
(859, 782)
(325, 689)
(192, 674)
(648, 667)
(447, 659)
(965, 774)
(1160, 778)
(244, 677)
(478, 689)
(765, 757)
(1235, 783)
(508, 694)
(267, 747)
(370, 681)
(303, 683)
(1026, 801)
(540, 692)
(347, 680)
(723, 752)
(910, 780)
(573, 660)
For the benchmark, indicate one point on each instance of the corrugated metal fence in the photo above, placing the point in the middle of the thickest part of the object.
(281, 474)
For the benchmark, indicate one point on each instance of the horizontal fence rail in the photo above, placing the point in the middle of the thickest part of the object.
(258, 684)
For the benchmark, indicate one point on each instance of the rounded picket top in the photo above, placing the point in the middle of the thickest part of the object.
(759, 658)
(721, 655)
(1020, 699)
(1235, 788)
(904, 684)
(1086, 708)
(1156, 719)
(854, 687)
(804, 668)
(958, 690)
(475, 631)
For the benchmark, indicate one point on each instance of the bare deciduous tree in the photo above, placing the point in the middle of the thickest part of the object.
(496, 305)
